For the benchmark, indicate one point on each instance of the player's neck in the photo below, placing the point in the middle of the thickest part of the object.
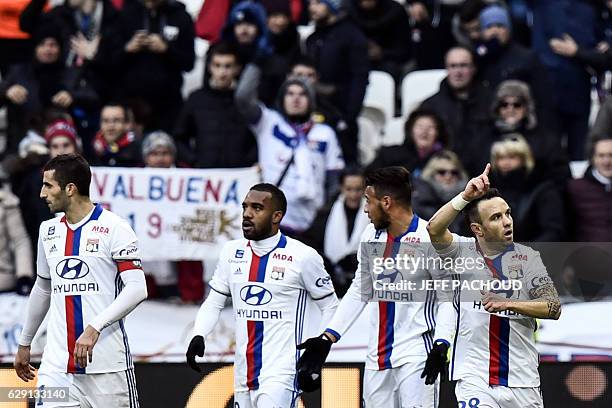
(491, 249)
(400, 222)
(78, 209)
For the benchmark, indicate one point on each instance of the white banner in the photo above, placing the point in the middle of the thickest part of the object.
(178, 214)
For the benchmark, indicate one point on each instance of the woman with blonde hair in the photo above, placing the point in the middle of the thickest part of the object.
(537, 206)
(443, 177)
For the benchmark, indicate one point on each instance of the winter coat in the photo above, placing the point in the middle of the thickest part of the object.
(340, 54)
(537, 207)
(212, 134)
(387, 25)
(590, 205)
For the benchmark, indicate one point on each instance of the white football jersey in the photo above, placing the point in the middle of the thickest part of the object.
(269, 296)
(276, 143)
(500, 347)
(400, 332)
(83, 262)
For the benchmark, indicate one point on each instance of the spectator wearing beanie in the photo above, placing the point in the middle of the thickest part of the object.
(340, 52)
(247, 32)
(61, 137)
(168, 279)
(159, 150)
(501, 58)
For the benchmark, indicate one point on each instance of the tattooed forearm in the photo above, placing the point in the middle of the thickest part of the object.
(554, 309)
(548, 292)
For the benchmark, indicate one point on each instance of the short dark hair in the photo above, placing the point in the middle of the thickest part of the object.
(393, 182)
(463, 48)
(442, 137)
(278, 197)
(117, 104)
(593, 142)
(471, 10)
(223, 48)
(351, 170)
(71, 168)
(470, 212)
(305, 61)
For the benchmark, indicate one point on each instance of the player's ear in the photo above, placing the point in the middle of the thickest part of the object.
(277, 216)
(477, 229)
(385, 201)
(70, 189)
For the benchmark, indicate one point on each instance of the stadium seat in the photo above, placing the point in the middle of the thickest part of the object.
(394, 132)
(578, 168)
(369, 140)
(304, 31)
(380, 93)
(192, 80)
(418, 86)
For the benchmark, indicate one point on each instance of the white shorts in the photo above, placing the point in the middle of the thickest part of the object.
(474, 392)
(400, 387)
(268, 396)
(117, 390)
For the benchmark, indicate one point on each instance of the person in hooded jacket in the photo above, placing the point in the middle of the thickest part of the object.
(537, 206)
(513, 111)
(155, 47)
(425, 134)
(247, 31)
(295, 153)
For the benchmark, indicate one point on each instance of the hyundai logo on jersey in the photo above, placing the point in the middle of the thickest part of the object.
(392, 276)
(71, 268)
(255, 295)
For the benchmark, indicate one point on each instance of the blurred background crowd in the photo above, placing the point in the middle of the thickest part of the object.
(316, 91)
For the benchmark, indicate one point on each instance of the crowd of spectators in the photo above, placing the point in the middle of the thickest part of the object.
(105, 77)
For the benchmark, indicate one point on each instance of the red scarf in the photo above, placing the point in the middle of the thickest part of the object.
(101, 146)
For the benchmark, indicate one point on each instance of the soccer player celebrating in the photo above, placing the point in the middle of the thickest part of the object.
(270, 278)
(401, 334)
(89, 278)
(494, 358)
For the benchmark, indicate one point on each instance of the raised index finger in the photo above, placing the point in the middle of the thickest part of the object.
(487, 170)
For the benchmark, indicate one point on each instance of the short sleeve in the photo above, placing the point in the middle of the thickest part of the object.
(536, 274)
(219, 281)
(456, 247)
(315, 278)
(333, 157)
(42, 266)
(124, 247)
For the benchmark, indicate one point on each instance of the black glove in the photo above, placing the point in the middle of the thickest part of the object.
(310, 364)
(196, 348)
(23, 286)
(436, 363)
